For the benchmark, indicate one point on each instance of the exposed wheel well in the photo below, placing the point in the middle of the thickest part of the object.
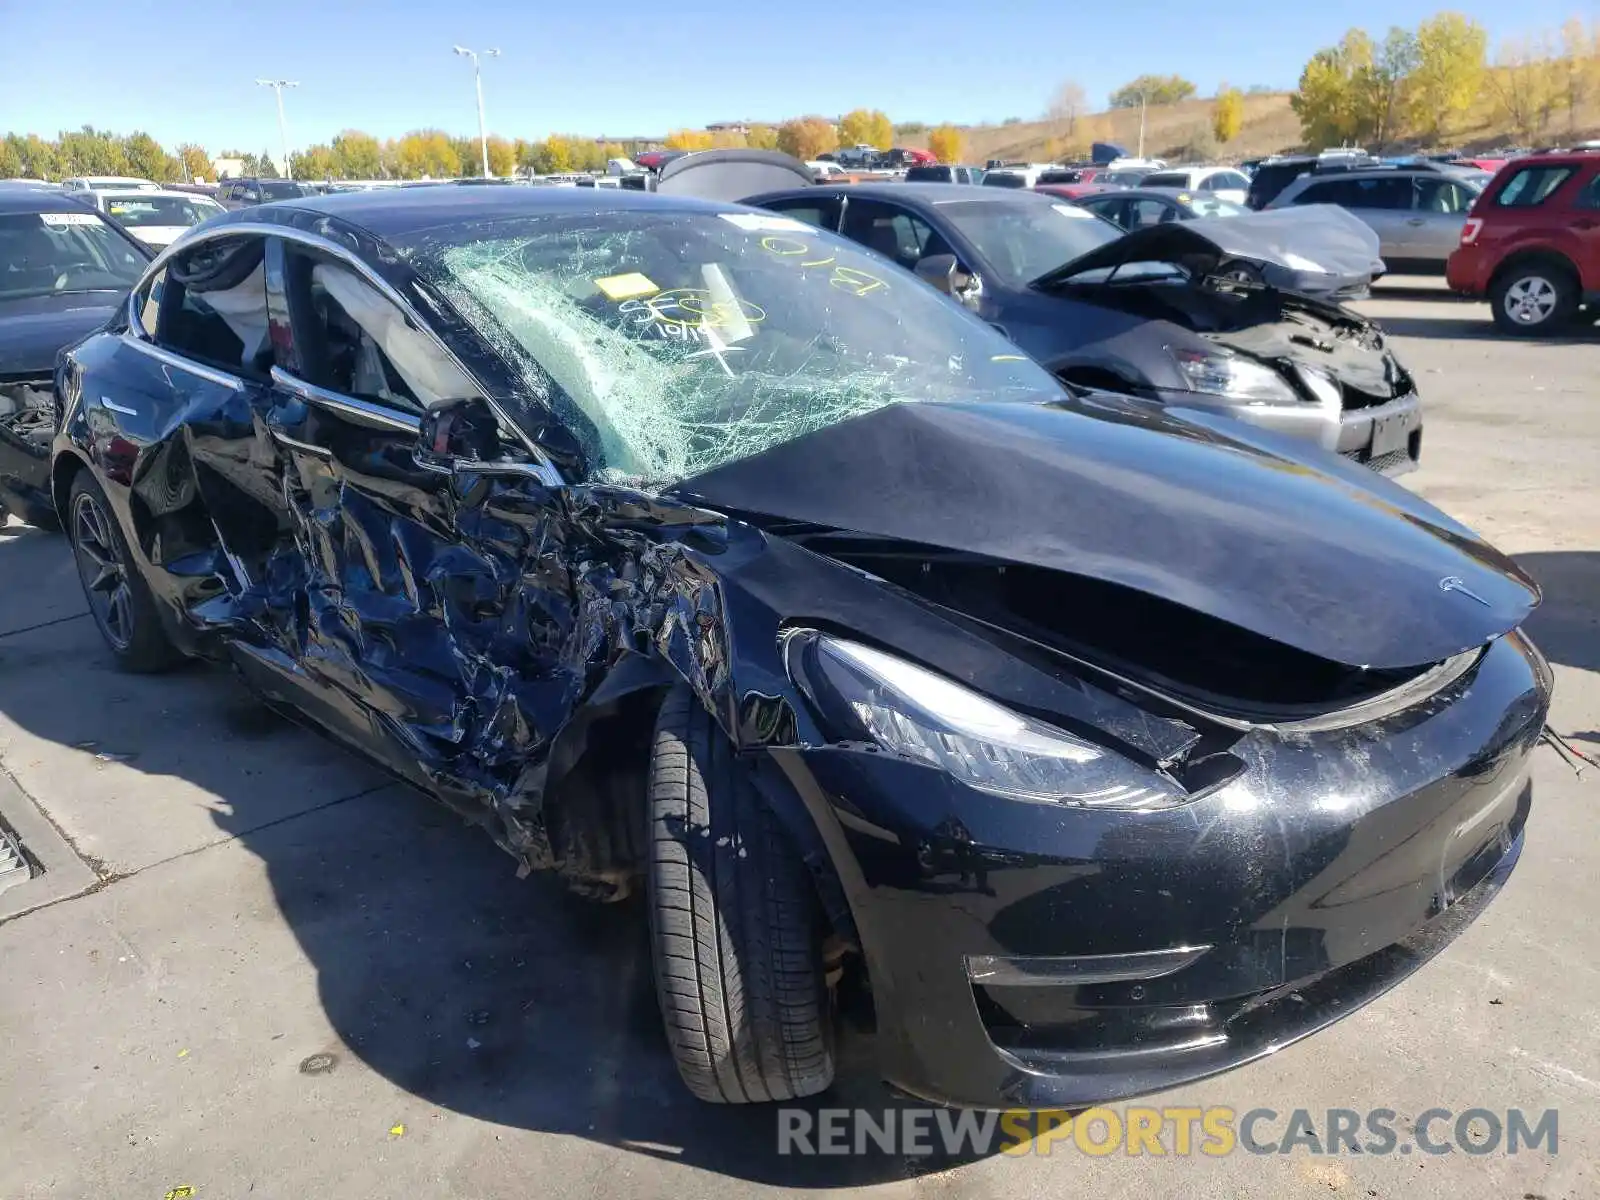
(1550, 259)
(62, 472)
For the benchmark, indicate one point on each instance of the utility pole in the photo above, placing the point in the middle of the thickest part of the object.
(277, 85)
(1141, 124)
(477, 78)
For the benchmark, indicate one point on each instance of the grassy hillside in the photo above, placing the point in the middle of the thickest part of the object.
(1270, 126)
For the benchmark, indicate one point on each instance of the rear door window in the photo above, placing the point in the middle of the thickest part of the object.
(1590, 196)
(1531, 186)
(1442, 196)
(1384, 193)
(1328, 191)
(1172, 179)
(213, 306)
(824, 214)
(891, 231)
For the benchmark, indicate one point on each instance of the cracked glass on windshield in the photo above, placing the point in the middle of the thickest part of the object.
(678, 341)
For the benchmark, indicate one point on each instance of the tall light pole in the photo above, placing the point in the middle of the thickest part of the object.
(477, 78)
(277, 85)
(1141, 123)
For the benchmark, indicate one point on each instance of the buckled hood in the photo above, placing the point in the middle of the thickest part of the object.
(1319, 249)
(1217, 517)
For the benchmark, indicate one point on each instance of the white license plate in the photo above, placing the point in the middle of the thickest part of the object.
(1388, 435)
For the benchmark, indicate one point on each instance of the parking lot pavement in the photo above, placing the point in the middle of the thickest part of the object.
(290, 977)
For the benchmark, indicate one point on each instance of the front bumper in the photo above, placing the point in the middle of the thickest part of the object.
(1023, 956)
(1386, 437)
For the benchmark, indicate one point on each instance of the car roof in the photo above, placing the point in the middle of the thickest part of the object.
(398, 212)
(24, 198)
(926, 194)
(146, 193)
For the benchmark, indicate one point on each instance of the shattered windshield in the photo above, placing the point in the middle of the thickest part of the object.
(678, 341)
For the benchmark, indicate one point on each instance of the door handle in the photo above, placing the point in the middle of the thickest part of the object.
(1414, 220)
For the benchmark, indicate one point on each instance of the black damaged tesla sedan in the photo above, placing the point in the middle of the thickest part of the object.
(688, 548)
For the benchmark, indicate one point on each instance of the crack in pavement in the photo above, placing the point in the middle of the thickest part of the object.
(107, 878)
(44, 624)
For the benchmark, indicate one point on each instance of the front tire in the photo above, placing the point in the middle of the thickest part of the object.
(734, 922)
(119, 599)
(1538, 298)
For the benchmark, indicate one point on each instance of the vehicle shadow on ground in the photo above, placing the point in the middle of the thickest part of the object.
(1477, 325)
(1566, 625)
(505, 1000)
(517, 1003)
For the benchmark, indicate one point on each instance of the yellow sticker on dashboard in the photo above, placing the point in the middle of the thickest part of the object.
(626, 287)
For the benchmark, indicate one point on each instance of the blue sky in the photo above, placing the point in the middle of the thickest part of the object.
(185, 70)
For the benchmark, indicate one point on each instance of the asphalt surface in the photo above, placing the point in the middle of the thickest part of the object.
(268, 971)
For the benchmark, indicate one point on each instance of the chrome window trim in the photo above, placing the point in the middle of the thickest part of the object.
(210, 374)
(363, 412)
(297, 237)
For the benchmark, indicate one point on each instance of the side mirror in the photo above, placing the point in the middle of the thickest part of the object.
(940, 270)
(944, 272)
(462, 438)
(457, 431)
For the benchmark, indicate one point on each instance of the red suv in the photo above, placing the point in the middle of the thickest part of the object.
(1531, 243)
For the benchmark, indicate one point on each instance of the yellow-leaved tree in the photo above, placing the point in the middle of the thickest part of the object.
(807, 137)
(689, 139)
(866, 126)
(947, 143)
(1227, 114)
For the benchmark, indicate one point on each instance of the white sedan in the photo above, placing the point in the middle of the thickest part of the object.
(155, 216)
(1224, 183)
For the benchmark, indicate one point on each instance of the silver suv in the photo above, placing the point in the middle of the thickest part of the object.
(1417, 214)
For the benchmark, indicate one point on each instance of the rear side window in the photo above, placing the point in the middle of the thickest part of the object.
(213, 307)
(1590, 196)
(1377, 193)
(1173, 179)
(1332, 191)
(1531, 186)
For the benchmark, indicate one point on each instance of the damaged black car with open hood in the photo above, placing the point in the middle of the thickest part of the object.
(1241, 316)
(691, 550)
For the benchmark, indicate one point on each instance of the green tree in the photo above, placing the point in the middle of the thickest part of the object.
(358, 154)
(315, 162)
(762, 137)
(1156, 89)
(558, 154)
(867, 126)
(807, 137)
(10, 157)
(196, 163)
(90, 151)
(1330, 100)
(145, 157)
(1449, 73)
(1227, 114)
(502, 157)
(1383, 84)
(946, 143)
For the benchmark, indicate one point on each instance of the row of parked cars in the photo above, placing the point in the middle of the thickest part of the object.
(922, 593)
(1522, 232)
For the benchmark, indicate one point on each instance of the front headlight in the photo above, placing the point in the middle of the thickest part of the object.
(1220, 372)
(922, 715)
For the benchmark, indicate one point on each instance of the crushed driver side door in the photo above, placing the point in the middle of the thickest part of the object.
(426, 603)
